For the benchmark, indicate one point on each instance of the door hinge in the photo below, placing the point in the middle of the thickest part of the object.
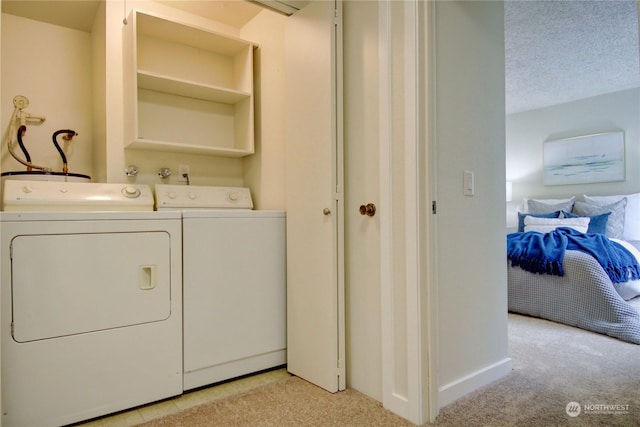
(433, 207)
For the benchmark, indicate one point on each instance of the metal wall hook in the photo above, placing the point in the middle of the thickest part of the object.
(164, 173)
(131, 170)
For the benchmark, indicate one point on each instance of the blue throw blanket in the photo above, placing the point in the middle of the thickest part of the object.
(544, 252)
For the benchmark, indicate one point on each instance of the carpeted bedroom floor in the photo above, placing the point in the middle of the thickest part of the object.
(553, 366)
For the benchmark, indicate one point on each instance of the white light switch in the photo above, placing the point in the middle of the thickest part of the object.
(467, 183)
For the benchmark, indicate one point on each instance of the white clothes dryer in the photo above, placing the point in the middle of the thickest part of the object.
(234, 284)
(91, 301)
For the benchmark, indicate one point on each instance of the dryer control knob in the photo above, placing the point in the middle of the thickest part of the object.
(192, 195)
(172, 194)
(233, 197)
(131, 192)
(27, 189)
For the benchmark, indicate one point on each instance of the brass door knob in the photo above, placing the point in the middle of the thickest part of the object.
(326, 211)
(369, 209)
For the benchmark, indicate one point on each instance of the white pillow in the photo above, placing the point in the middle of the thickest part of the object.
(545, 225)
(631, 216)
(630, 289)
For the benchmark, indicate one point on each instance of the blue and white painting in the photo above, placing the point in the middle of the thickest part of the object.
(584, 159)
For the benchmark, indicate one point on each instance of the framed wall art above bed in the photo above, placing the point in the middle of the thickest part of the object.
(584, 159)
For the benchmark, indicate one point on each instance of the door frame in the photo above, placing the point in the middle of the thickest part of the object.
(409, 377)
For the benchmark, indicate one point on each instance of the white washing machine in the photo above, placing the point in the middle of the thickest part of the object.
(234, 284)
(91, 301)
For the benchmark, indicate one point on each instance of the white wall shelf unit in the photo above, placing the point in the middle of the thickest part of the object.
(189, 89)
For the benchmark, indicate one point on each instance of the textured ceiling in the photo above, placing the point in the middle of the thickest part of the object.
(562, 51)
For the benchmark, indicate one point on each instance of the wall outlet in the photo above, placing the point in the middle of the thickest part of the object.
(183, 173)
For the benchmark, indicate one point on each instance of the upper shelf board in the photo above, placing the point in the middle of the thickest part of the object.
(200, 38)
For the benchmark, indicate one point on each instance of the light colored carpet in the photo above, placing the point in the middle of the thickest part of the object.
(290, 402)
(553, 365)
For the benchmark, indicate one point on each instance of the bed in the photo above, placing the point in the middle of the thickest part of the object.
(585, 295)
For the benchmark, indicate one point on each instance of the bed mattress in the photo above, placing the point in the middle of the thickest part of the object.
(584, 297)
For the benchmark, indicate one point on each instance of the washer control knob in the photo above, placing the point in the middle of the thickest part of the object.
(233, 196)
(172, 194)
(192, 195)
(27, 189)
(131, 192)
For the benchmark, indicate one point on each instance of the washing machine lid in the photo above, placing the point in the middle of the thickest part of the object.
(21, 195)
(183, 197)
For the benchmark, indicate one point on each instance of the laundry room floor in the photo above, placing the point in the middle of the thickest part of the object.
(187, 400)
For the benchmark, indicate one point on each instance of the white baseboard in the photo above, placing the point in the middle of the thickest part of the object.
(455, 390)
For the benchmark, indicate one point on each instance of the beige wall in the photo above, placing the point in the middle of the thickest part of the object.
(51, 66)
(471, 248)
(99, 95)
(264, 171)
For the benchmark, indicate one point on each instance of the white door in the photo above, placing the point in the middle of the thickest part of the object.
(362, 186)
(315, 285)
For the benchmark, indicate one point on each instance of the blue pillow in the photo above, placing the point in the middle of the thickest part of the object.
(598, 223)
(521, 216)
